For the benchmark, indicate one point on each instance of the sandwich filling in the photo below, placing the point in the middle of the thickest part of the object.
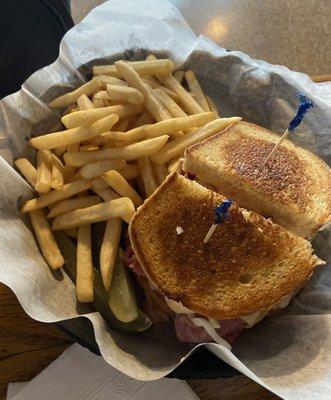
(190, 326)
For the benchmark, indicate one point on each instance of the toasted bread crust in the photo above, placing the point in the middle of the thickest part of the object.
(210, 279)
(294, 187)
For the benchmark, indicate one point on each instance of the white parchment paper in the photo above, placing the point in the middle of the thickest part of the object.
(288, 353)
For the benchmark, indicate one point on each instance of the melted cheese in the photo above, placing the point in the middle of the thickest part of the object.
(208, 327)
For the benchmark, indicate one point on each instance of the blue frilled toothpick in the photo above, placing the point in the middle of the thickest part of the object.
(221, 212)
(304, 106)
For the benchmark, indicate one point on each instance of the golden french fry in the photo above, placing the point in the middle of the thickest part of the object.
(106, 194)
(154, 84)
(44, 169)
(130, 152)
(169, 104)
(109, 250)
(125, 94)
(88, 117)
(97, 103)
(179, 75)
(68, 173)
(60, 150)
(72, 233)
(68, 190)
(195, 88)
(175, 165)
(27, 170)
(151, 67)
(99, 183)
(102, 94)
(178, 145)
(144, 119)
(130, 171)
(116, 181)
(75, 135)
(151, 103)
(68, 205)
(45, 239)
(122, 125)
(57, 173)
(160, 172)
(212, 106)
(85, 275)
(73, 147)
(190, 105)
(146, 173)
(169, 126)
(118, 208)
(92, 170)
(71, 97)
(84, 103)
(111, 80)
(88, 147)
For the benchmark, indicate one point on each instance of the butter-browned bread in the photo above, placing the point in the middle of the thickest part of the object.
(249, 264)
(293, 188)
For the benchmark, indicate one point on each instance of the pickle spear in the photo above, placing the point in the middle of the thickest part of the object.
(101, 297)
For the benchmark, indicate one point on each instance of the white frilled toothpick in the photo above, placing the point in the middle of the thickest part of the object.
(304, 106)
(221, 212)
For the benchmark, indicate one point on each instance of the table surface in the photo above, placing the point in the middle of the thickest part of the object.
(28, 346)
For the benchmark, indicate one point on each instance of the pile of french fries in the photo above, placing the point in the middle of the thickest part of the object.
(124, 131)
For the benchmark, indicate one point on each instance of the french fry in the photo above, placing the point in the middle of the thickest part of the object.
(99, 183)
(125, 94)
(68, 173)
(111, 80)
(212, 106)
(144, 119)
(130, 152)
(189, 104)
(175, 165)
(169, 104)
(68, 205)
(60, 150)
(88, 117)
(57, 173)
(109, 250)
(72, 233)
(70, 98)
(68, 190)
(151, 67)
(44, 169)
(151, 103)
(122, 187)
(106, 194)
(84, 103)
(146, 173)
(74, 135)
(154, 84)
(73, 147)
(97, 103)
(130, 171)
(93, 170)
(169, 126)
(160, 172)
(118, 208)
(102, 94)
(195, 88)
(27, 170)
(45, 239)
(122, 125)
(178, 145)
(85, 275)
(179, 75)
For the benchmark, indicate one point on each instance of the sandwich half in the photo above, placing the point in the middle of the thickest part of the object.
(249, 267)
(293, 188)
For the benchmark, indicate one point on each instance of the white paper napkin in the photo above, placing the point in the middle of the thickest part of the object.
(80, 374)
